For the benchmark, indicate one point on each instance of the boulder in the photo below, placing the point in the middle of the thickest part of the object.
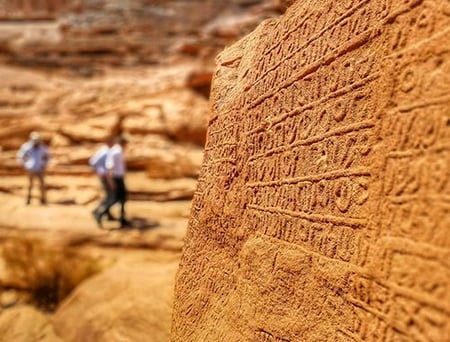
(136, 305)
(26, 324)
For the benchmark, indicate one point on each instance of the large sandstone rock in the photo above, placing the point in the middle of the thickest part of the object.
(125, 303)
(322, 209)
(26, 324)
(53, 248)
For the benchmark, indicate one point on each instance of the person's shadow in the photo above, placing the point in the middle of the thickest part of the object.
(141, 223)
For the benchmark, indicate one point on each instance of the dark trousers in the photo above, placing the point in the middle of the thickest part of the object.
(42, 187)
(119, 195)
(108, 194)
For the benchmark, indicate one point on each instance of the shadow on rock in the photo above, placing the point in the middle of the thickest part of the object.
(141, 223)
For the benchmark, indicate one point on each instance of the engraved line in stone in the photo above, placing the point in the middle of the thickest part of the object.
(421, 104)
(312, 39)
(350, 266)
(378, 314)
(197, 193)
(215, 146)
(409, 5)
(334, 94)
(220, 160)
(314, 178)
(358, 222)
(353, 336)
(419, 297)
(320, 33)
(422, 249)
(418, 44)
(218, 114)
(338, 131)
(309, 41)
(426, 197)
(418, 151)
(226, 127)
(333, 55)
(312, 105)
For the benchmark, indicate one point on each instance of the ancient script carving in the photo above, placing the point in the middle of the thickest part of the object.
(322, 213)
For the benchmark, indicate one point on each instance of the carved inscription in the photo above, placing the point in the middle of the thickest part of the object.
(323, 207)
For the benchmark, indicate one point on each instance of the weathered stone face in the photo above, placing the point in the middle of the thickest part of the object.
(322, 210)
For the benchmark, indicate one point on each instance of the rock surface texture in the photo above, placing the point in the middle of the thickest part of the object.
(322, 211)
(90, 33)
(127, 312)
(79, 71)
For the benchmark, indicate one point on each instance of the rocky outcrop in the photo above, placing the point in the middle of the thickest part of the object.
(161, 115)
(123, 310)
(322, 208)
(34, 9)
(80, 71)
(90, 33)
(88, 284)
(25, 323)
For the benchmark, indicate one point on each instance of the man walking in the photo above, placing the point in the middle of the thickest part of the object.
(34, 157)
(97, 162)
(115, 173)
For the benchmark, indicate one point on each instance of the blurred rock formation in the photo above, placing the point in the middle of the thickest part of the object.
(79, 71)
(89, 33)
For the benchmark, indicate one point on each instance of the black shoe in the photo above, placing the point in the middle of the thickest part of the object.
(43, 201)
(125, 223)
(98, 219)
(28, 201)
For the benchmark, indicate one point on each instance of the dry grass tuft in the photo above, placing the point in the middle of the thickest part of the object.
(47, 273)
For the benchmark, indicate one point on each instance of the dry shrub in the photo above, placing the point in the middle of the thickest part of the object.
(46, 272)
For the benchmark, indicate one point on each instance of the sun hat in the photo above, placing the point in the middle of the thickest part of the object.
(35, 137)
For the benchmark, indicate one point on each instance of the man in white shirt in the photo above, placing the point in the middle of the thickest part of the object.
(115, 173)
(34, 157)
(97, 162)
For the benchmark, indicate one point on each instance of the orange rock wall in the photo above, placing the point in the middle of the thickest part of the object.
(123, 33)
(79, 71)
(322, 210)
(32, 9)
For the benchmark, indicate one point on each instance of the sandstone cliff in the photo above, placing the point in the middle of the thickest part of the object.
(78, 71)
(97, 32)
(322, 210)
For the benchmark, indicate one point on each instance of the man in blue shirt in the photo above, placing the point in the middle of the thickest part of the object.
(34, 157)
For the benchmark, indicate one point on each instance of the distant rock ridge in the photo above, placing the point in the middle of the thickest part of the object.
(322, 209)
(79, 71)
(74, 33)
(34, 9)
